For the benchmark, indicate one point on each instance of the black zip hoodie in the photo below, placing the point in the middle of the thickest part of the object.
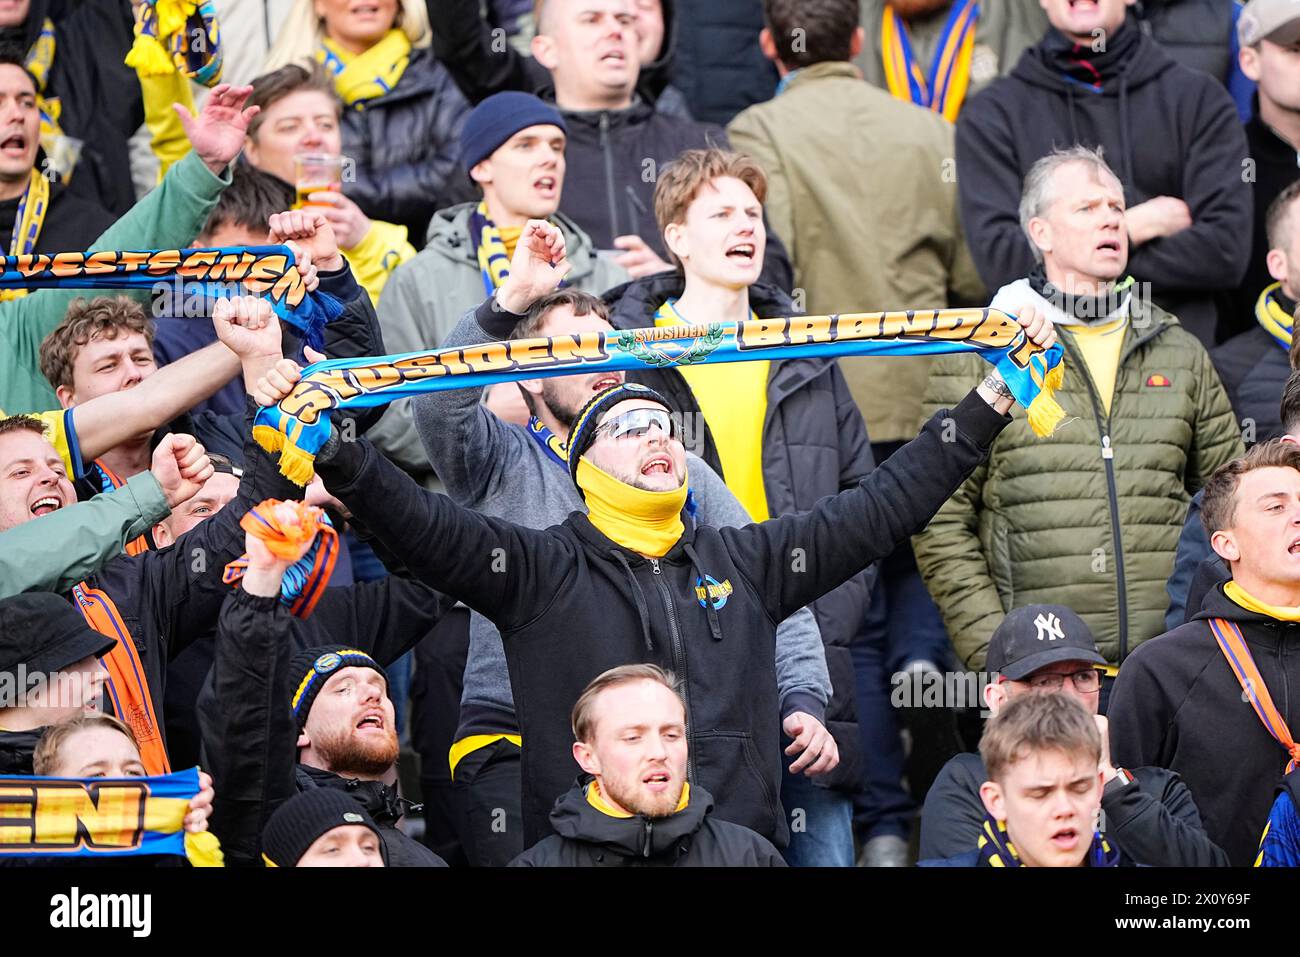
(1178, 705)
(587, 837)
(814, 444)
(1167, 131)
(570, 603)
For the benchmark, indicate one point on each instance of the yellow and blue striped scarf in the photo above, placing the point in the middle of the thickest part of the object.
(1270, 314)
(39, 62)
(944, 89)
(489, 249)
(359, 77)
(28, 221)
(996, 850)
(177, 36)
(103, 817)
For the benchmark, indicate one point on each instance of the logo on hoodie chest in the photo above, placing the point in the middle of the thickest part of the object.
(708, 590)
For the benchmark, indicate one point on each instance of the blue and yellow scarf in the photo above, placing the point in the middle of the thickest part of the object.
(103, 817)
(359, 77)
(39, 63)
(489, 249)
(944, 89)
(28, 222)
(177, 36)
(298, 425)
(1276, 319)
(996, 849)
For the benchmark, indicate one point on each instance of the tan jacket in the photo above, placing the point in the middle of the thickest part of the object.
(862, 189)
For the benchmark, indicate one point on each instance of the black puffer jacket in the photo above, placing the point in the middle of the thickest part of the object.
(1196, 33)
(587, 837)
(384, 806)
(406, 145)
(1254, 370)
(99, 95)
(814, 444)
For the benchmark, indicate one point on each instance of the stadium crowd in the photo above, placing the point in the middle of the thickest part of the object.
(804, 610)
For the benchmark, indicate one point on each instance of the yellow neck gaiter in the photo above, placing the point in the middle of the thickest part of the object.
(648, 523)
(1249, 602)
(597, 800)
(510, 238)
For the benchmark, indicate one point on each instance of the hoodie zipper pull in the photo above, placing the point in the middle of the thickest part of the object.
(654, 562)
(649, 831)
(1106, 451)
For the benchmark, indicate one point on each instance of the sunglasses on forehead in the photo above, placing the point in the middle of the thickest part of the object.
(637, 422)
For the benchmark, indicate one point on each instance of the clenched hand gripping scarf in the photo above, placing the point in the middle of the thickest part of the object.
(298, 425)
(268, 271)
(102, 817)
(305, 580)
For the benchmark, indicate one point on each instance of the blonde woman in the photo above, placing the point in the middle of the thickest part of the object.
(402, 112)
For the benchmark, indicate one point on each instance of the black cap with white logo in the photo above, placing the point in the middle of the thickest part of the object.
(1034, 636)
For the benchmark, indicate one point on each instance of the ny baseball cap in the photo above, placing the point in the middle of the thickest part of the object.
(1275, 20)
(1037, 635)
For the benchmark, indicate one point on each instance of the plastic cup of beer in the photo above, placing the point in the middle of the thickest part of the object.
(316, 173)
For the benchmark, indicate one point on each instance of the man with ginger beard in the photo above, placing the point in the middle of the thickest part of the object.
(632, 804)
(1003, 29)
(347, 740)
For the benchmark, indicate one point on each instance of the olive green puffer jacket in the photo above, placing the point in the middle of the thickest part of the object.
(1057, 520)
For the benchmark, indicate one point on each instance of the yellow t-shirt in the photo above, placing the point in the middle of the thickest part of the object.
(1101, 345)
(733, 398)
(62, 433)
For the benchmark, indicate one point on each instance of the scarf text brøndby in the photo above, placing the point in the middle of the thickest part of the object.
(103, 817)
(298, 425)
(266, 271)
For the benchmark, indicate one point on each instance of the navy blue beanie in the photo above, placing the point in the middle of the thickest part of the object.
(584, 428)
(500, 117)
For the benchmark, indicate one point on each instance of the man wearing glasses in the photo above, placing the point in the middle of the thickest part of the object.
(634, 579)
(1146, 812)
